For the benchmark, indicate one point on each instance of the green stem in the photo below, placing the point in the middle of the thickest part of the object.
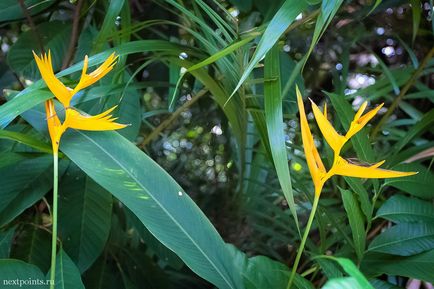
(54, 220)
(303, 241)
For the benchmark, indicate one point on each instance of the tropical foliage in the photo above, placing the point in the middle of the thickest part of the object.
(172, 144)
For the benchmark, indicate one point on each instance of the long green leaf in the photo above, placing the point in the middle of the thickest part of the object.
(85, 217)
(67, 274)
(355, 218)
(6, 243)
(274, 121)
(417, 266)
(353, 271)
(283, 18)
(15, 273)
(400, 208)
(404, 239)
(156, 199)
(26, 139)
(419, 185)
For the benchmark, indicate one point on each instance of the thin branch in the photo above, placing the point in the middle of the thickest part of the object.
(402, 93)
(32, 24)
(74, 36)
(168, 121)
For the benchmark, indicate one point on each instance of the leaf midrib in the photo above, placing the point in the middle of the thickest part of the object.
(159, 204)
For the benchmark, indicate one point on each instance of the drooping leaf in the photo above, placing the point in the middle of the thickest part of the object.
(274, 121)
(156, 199)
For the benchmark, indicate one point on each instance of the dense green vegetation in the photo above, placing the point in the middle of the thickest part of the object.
(208, 186)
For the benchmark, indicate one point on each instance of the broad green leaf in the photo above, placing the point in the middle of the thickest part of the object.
(18, 104)
(330, 268)
(56, 38)
(355, 217)
(6, 243)
(11, 9)
(103, 275)
(274, 121)
(21, 177)
(277, 26)
(419, 185)
(262, 272)
(417, 266)
(8, 158)
(26, 139)
(164, 255)
(33, 245)
(404, 209)
(353, 271)
(33, 192)
(404, 239)
(67, 274)
(84, 217)
(342, 283)
(380, 284)
(156, 199)
(18, 274)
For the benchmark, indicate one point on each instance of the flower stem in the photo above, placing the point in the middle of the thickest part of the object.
(54, 219)
(303, 241)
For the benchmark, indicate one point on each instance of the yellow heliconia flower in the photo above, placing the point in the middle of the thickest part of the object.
(336, 141)
(61, 92)
(314, 162)
(73, 118)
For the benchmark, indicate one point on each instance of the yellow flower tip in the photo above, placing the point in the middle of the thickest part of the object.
(361, 110)
(45, 67)
(102, 121)
(54, 125)
(344, 168)
(314, 162)
(378, 164)
(333, 138)
(325, 110)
